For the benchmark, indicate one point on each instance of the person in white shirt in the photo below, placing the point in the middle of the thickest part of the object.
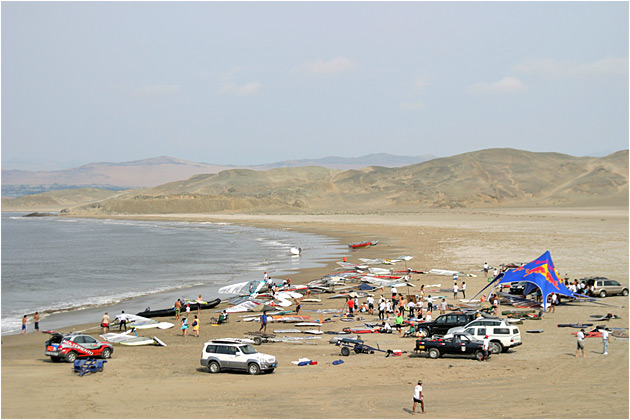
(443, 306)
(394, 292)
(382, 307)
(580, 343)
(464, 289)
(486, 267)
(486, 348)
(411, 307)
(429, 303)
(428, 318)
(419, 307)
(370, 302)
(605, 340)
(455, 290)
(418, 397)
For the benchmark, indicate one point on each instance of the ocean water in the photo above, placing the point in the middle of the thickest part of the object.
(73, 270)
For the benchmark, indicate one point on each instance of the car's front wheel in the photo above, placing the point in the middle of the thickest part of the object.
(214, 367)
(106, 353)
(624, 292)
(479, 355)
(71, 357)
(424, 332)
(434, 353)
(253, 369)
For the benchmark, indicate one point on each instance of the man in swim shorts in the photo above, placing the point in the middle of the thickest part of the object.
(263, 322)
(418, 398)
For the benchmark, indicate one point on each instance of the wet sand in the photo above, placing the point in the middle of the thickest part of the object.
(540, 379)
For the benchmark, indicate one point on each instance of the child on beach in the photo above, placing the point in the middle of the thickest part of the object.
(185, 326)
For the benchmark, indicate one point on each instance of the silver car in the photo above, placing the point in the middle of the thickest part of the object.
(603, 287)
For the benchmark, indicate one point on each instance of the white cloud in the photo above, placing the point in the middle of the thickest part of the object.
(242, 90)
(420, 84)
(412, 106)
(610, 66)
(155, 90)
(336, 65)
(505, 85)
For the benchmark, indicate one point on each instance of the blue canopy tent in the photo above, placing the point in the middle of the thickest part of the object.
(539, 273)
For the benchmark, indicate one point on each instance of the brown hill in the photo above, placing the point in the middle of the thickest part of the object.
(493, 177)
(57, 200)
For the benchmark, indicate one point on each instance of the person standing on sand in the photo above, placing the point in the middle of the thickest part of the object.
(429, 304)
(486, 348)
(485, 267)
(24, 324)
(105, 323)
(184, 327)
(263, 322)
(443, 306)
(605, 340)
(187, 310)
(195, 326)
(464, 289)
(178, 309)
(418, 397)
(298, 307)
(370, 302)
(199, 303)
(122, 319)
(36, 319)
(580, 343)
(381, 310)
(455, 290)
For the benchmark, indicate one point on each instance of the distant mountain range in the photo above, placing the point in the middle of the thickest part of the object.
(160, 170)
(487, 178)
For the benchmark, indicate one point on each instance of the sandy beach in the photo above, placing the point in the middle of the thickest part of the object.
(540, 379)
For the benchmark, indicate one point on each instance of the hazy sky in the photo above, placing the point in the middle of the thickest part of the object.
(247, 83)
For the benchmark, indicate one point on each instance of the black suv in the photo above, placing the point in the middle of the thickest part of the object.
(443, 323)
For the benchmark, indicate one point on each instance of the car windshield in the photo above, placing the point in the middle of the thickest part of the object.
(248, 349)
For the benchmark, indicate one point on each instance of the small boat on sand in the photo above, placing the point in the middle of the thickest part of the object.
(363, 244)
(171, 311)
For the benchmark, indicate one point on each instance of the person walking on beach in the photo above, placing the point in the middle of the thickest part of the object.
(429, 303)
(24, 324)
(464, 289)
(184, 327)
(370, 302)
(36, 319)
(350, 304)
(485, 267)
(122, 319)
(605, 340)
(455, 290)
(486, 348)
(187, 310)
(195, 326)
(580, 343)
(105, 323)
(418, 397)
(263, 322)
(178, 309)
(381, 310)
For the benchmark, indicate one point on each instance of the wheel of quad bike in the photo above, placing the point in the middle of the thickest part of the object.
(71, 357)
(602, 293)
(106, 354)
(479, 355)
(496, 347)
(253, 369)
(345, 351)
(258, 341)
(434, 353)
(214, 367)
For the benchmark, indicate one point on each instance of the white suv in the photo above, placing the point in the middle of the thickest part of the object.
(220, 355)
(479, 322)
(501, 337)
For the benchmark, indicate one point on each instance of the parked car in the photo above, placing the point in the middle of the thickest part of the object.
(458, 344)
(443, 323)
(220, 355)
(480, 322)
(69, 347)
(603, 286)
(502, 337)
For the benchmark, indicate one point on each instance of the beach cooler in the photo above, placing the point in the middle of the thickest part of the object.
(83, 366)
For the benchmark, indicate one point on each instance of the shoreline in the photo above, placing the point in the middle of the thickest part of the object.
(539, 379)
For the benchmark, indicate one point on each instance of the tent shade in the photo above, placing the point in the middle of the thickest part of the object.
(540, 273)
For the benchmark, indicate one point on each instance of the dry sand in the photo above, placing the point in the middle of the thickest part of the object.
(540, 379)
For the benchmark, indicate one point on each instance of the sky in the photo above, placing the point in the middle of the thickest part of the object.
(247, 83)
